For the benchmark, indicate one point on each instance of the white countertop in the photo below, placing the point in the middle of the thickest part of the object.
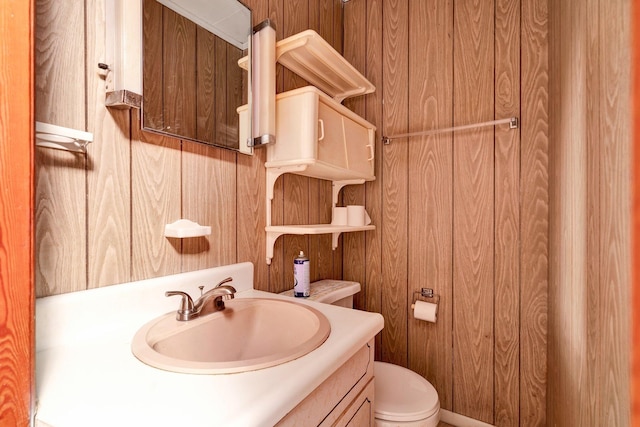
(88, 376)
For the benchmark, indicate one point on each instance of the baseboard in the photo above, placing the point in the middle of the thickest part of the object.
(460, 420)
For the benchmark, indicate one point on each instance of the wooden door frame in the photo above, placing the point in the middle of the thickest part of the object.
(635, 215)
(16, 213)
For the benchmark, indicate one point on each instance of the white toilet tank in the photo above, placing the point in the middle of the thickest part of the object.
(335, 292)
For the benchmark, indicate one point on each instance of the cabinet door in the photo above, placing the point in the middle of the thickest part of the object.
(331, 147)
(360, 412)
(360, 147)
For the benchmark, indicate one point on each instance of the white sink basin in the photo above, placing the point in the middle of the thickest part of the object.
(248, 334)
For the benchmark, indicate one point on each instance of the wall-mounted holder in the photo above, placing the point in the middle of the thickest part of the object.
(123, 54)
(183, 228)
(425, 293)
(62, 138)
(513, 123)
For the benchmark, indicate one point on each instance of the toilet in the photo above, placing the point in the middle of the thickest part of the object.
(402, 397)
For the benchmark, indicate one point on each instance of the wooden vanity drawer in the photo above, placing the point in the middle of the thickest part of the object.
(335, 398)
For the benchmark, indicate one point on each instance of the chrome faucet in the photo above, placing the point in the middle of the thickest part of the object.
(209, 302)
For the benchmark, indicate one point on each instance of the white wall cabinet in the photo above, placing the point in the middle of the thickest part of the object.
(328, 139)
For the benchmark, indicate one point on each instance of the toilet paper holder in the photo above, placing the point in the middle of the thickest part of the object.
(425, 293)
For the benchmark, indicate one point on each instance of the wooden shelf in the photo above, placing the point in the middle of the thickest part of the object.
(275, 231)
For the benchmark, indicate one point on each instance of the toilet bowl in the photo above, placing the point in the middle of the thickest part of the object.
(402, 397)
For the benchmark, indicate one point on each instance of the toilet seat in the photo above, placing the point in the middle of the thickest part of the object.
(403, 395)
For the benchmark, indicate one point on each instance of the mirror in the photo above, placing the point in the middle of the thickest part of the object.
(192, 83)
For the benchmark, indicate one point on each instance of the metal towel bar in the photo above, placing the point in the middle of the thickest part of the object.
(512, 121)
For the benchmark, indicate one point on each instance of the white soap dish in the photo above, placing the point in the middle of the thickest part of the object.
(184, 228)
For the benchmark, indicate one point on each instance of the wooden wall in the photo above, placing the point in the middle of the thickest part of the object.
(467, 213)
(100, 218)
(589, 289)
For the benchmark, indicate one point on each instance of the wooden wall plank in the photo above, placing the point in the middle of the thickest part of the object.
(109, 170)
(209, 198)
(395, 196)
(430, 190)
(635, 219)
(17, 384)
(507, 216)
(156, 201)
(473, 200)
(592, 78)
(373, 189)
(615, 256)
(534, 264)
(554, 102)
(60, 216)
(354, 266)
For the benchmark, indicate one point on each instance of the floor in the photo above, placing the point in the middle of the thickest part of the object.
(441, 424)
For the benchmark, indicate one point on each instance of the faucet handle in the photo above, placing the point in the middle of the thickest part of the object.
(186, 305)
(222, 282)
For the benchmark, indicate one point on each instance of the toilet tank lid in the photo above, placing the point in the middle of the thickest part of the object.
(403, 395)
(329, 291)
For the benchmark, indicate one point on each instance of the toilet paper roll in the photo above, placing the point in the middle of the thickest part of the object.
(357, 216)
(339, 216)
(423, 310)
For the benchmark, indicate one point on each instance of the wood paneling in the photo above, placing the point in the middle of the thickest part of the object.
(60, 176)
(507, 217)
(373, 244)
(589, 283)
(450, 208)
(17, 330)
(614, 208)
(109, 171)
(394, 184)
(430, 212)
(209, 198)
(473, 200)
(155, 202)
(534, 208)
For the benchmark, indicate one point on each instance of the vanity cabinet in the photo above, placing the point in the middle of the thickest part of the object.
(346, 398)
